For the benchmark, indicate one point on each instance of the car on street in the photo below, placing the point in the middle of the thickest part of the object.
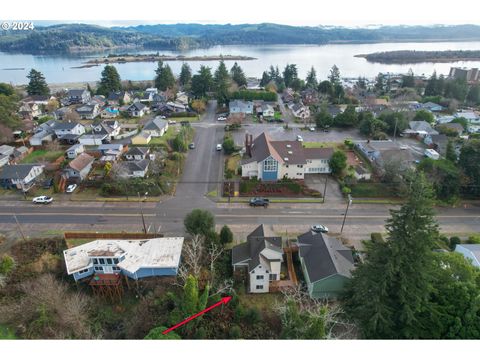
(299, 138)
(71, 188)
(42, 199)
(221, 118)
(319, 228)
(259, 201)
(219, 147)
(171, 122)
(191, 146)
(311, 128)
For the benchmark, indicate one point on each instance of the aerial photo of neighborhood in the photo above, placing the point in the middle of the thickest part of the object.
(239, 180)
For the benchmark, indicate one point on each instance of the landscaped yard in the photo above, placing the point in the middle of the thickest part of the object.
(231, 165)
(319, 144)
(169, 135)
(39, 156)
(374, 190)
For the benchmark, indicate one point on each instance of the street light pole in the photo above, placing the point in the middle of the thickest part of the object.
(346, 212)
(141, 212)
(19, 227)
(325, 189)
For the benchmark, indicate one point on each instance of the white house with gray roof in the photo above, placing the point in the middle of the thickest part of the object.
(261, 256)
(78, 96)
(156, 127)
(240, 106)
(21, 176)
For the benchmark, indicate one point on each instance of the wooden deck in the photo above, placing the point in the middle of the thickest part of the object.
(292, 281)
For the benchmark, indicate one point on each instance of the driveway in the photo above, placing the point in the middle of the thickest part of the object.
(333, 192)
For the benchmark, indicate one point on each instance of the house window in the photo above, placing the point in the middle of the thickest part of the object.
(83, 271)
(300, 166)
(273, 277)
(98, 268)
(259, 277)
(115, 261)
(115, 268)
(101, 261)
(270, 165)
(95, 261)
(109, 261)
(259, 287)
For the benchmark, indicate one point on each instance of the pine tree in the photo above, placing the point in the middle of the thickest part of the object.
(110, 81)
(237, 74)
(221, 80)
(185, 75)
(37, 84)
(311, 80)
(164, 79)
(450, 152)
(202, 83)
(389, 292)
(334, 76)
(265, 79)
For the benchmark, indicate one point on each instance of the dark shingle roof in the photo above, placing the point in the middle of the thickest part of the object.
(132, 166)
(65, 125)
(324, 256)
(76, 92)
(318, 153)
(257, 240)
(137, 151)
(155, 124)
(16, 171)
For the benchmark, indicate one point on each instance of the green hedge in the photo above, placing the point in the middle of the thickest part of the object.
(253, 95)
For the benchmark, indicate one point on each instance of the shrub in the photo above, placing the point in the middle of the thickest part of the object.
(454, 240)
(252, 315)
(226, 235)
(346, 190)
(474, 239)
(376, 238)
(235, 332)
(6, 264)
(228, 145)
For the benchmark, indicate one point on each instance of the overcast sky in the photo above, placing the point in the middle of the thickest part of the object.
(298, 12)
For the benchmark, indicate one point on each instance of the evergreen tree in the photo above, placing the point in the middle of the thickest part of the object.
(110, 81)
(325, 87)
(226, 235)
(389, 292)
(37, 84)
(338, 162)
(450, 152)
(202, 83)
(323, 119)
(290, 75)
(311, 80)
(473, 96)
(164, 79)
(265, 79)
(221, 80)
(199, 222)
(469, 162)
(408, 80)
(334, 76)
(185, 75)
(237, 74)
(380, 82)
(432, 85)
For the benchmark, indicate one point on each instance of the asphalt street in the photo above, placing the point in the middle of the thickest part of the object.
(203, 173)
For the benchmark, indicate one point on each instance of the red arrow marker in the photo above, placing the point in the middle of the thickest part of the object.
(224, 300)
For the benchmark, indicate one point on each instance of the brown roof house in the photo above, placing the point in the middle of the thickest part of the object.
(274, 160)
(79, 167)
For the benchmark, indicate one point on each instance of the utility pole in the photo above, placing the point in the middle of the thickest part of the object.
(346, 212)
(19, 227)
(141, 211)
(325, 189)
(395, 130)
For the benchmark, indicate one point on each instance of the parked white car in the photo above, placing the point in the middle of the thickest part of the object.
(221, 118)
(319, 228)
(219, 147)
(71, 188)
(312, 128)
(171, 122)
(299, 138)
(42, 200)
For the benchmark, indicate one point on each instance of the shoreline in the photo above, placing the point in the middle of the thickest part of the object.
(131, 58)
(404, 57)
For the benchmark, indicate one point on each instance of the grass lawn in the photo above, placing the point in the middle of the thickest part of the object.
(319, 144)
(233, 162)
(278, 115)
(373, 190)
(263, 302)
(42, 156)
(185, 118)
(169, 135)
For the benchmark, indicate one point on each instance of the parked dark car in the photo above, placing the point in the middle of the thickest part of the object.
(191, 146)
(185, 123)
(258, 201)
(47, 184)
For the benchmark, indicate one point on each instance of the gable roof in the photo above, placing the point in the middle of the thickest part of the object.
(422, 126)
(137, 151)
(137, 106)
(324, 256)
(155, 124)
(258, 240)
(262, 148)
(19, 171)
(132, 166)
(65, 125)
(76, 92)
(81, 162)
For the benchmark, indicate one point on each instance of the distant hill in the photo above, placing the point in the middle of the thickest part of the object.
(82, 37)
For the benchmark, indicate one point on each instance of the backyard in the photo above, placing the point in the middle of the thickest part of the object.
(42, 156)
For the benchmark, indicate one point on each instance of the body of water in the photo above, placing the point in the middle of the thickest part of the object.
(58, 68)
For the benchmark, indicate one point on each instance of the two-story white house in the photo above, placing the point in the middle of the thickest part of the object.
(274, 160)
(239, 106)
(21, 176)
(261, 256)
(156, 127)
(68, 128)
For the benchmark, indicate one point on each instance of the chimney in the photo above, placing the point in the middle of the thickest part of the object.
(248, 144)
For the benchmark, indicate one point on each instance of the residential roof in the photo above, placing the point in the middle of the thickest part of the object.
(66, 125)
(74, 147)
(422, 126)
(439, 139)
(318, 153)
(76, 92)
(19, 171)
(455, 126)
(324, 256)
(132, 166)
(6, 149)
(81, 162)
(262, 148)
(137, 106)
(155, 124)
(149, 253)
(143, 134)
(259, 239)
(137, 151)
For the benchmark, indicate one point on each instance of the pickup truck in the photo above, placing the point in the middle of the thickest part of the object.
(258, 201)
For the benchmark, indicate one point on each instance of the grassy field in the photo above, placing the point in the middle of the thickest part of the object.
(318, 144)
(41, 156)
(373, 190)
